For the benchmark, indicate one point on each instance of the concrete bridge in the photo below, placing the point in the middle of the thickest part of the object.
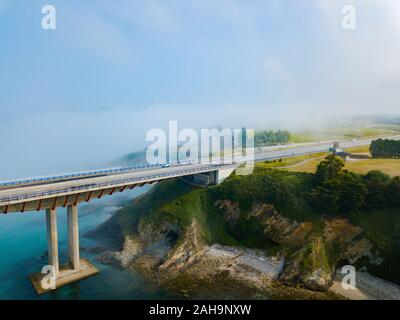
(69, 190)
(50, 193)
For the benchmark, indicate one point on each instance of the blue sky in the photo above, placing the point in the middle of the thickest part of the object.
(87, 92)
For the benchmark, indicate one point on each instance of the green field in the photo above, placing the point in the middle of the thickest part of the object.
(340, 133)
(287, 162)
(388, 166)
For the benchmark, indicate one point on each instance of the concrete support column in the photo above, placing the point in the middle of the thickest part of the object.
(52, 239)
(73, 236)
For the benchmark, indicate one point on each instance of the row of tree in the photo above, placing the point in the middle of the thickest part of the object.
(270, 137)
(339, 191)
(385, 148)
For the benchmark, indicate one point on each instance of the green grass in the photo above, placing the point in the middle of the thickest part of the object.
(309, 136)
(388, 166)
(339, 133)
(308, 167)
(178, 203)
(290, 161)
(314, 256)
(196, 204)
(362, 132)
(129, 217)
(362, 149)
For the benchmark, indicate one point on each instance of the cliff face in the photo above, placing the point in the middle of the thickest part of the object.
(201, 245)
(311, 250)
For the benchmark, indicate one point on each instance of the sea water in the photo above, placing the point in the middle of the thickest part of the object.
(23, 247)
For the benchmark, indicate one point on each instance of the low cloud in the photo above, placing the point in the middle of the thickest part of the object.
(58, 142)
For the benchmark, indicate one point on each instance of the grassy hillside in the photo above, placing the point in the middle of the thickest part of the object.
(195, 204)
(176, 203)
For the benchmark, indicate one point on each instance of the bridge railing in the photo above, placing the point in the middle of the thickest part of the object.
(98, 172)
(94, 172)
(77, 175)
(143, 166)
(107, 184)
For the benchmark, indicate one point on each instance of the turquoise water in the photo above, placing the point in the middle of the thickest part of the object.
(23, 244)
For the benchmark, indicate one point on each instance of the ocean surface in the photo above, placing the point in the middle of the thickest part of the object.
(23, 246)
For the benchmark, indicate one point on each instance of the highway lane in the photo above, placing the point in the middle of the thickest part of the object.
(174, 170)
(302, 150)
(262, 153)
(91, 182)
(74, 176)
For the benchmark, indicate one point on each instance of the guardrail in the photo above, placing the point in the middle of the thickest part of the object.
(110, 183)
(130, 168)
(78, 174)
(260, 157)
(86, 174)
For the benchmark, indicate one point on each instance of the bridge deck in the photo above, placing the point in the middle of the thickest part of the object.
(52, 195)
(39, 194)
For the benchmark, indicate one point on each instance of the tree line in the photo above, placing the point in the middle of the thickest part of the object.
(270, 137)
(339, 191)
(385, 148)
(332, 190)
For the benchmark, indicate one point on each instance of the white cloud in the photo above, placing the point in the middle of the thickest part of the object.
(354, 71)
(317, 68)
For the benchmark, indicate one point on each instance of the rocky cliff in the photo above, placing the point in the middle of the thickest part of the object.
(201, 245)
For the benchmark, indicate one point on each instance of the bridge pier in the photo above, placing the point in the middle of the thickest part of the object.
(76, 269)
(52, 239)
(73, 236)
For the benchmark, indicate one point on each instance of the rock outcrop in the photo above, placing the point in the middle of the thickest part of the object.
(312, 251)
(184, 261)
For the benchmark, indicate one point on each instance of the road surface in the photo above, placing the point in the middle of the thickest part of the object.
(22, 190)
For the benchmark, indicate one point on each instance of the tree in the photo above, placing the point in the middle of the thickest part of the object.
(385, 148)
(377, 185)
(325, 198)
(328, 169)
(269, 137)
(338, 191)
(341, 194)
(394, 192)
(352, 191)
